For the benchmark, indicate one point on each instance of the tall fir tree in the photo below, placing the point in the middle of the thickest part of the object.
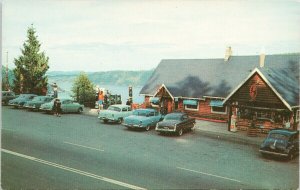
(31, 67)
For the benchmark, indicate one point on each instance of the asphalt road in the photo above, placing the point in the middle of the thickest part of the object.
(79, 152)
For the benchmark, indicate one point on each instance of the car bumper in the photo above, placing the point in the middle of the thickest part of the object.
(165, 129)
(45, 109)
(274, 153)
(133, 125)
(31, 107)
(12, 104)
(107, 119)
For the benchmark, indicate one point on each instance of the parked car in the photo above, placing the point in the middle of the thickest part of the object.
(6, 96)
(37, 101)
(21, 100)
(67, 106)
(176, 122)
(115, 113)
(142, 118)
(281, 143)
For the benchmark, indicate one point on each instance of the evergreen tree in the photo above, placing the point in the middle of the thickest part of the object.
(31, 67)
(83, 89)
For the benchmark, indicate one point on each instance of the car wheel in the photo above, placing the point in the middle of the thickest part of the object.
(120, 120)
(80, 110)
(162, 133)
(290, 156)
(180, 132)
(148, 128)
(105, 121)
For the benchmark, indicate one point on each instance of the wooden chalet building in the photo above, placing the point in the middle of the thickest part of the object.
(267, 97)
(211, 88)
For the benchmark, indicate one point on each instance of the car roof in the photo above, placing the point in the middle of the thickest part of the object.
(43, 96)
(145, 109)
(120, 106)
(28, 94)
(283, 131)
(63, 99)
(176, 113)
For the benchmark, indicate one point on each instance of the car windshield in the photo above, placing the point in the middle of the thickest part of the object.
(22, 96)
(279, 136)
(172, 117)
(113, 108)
(140, 113)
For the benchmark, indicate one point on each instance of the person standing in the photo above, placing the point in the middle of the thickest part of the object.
(54, 107)
(128, 102)
(58, 107)
(100, 99)
(55, 88)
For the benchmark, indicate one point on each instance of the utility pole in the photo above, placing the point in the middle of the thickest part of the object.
(7, 81)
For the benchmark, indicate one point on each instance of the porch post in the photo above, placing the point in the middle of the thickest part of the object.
(294, 118)
(229, 115)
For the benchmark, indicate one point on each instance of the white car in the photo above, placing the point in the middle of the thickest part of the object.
(115, 113)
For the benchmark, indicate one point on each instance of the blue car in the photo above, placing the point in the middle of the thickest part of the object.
(142, 119)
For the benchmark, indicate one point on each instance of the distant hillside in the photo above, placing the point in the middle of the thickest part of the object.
(134, 78)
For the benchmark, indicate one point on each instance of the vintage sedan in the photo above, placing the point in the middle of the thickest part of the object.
(176, 122)
(281, 143)
(21, 100)
(6, 96)
(67, 106)
(142, 119)
(37, 101)
(115, 113)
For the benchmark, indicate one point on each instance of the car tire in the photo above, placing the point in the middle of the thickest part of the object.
(80, 110)
(120, 120)
(290, 156)
(148, 127)
(105, 121)
(180, 132)
(162, 133)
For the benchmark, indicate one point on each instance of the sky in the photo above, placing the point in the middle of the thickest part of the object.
(86, 35)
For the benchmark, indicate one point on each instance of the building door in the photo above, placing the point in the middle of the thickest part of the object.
(169, 105)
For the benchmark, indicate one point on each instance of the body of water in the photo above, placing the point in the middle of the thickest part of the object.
(113, 89)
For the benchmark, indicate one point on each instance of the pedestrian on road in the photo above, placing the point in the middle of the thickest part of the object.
(57, 107)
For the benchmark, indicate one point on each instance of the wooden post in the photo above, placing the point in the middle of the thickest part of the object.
(229, 115)
(294, 118)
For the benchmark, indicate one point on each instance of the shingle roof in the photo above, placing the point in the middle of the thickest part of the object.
(196, 78)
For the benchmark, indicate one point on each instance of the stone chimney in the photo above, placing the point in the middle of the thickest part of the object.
(228, 53)
(262, 57)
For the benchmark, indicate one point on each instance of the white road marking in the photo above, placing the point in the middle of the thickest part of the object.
(83, 146)
(6, 129)
(126, 185)
(209, 174)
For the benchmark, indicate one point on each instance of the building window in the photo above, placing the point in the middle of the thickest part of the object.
(219, 110)
(191, 107)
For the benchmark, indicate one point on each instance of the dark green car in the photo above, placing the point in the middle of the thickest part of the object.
(6, 96)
